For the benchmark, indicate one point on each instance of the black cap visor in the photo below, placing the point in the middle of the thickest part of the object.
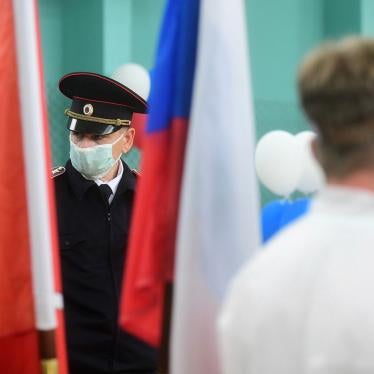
(90, 127)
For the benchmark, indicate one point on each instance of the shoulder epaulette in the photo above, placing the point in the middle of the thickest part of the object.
(56, 171)
(135, 172)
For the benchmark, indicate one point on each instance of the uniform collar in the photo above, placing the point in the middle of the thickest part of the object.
(128, 180)
(80, 185)
(113, 184)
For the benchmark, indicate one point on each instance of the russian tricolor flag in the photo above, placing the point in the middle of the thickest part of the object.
(150, 258)
(197, 197)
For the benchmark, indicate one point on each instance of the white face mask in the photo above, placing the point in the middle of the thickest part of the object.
(93, 162)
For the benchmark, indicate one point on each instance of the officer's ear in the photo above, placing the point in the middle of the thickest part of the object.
(128, 139)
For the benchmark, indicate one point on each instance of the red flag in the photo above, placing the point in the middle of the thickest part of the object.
(27, 218)
(17, 325)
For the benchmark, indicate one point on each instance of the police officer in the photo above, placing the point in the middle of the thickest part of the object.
(95, 193)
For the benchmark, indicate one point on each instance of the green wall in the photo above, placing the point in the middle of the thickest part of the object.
(53, 40)
(117, 29)
(147, 19)
(341, 17)
(100, 35)
(367, 16)
(280, 33)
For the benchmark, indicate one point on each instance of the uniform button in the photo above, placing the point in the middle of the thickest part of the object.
(67, 242)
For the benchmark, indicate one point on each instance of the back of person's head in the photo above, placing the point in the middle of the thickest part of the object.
(336, 89)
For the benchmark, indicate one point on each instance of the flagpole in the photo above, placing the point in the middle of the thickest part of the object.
(163, 359)
(39, 187)
(48, 354)
(47, 344)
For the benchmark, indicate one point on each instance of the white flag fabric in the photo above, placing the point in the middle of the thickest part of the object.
(218, 220)
(34, 129)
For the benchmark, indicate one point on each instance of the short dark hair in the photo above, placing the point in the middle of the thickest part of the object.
(336, 89)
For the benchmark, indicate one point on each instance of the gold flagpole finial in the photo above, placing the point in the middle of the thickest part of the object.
(49, 366)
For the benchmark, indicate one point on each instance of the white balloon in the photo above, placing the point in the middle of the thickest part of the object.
(312, 177)
(135, 77)
(278, 162)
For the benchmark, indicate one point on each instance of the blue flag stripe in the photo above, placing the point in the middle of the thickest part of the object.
(173, 74)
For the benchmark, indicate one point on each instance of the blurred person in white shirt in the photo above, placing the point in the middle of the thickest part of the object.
(305, 305)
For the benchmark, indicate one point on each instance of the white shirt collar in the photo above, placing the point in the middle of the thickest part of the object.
(113, 183)
(344, 200)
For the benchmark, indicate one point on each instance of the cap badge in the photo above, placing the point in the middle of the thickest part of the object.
(88, 110)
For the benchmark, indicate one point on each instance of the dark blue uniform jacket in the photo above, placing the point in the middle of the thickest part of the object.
(93, 237)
